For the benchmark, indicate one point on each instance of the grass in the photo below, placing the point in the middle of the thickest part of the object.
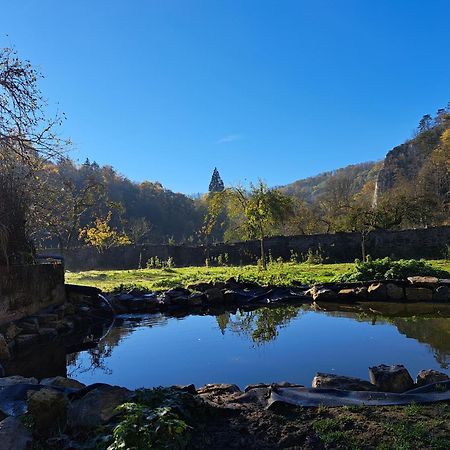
(281, 274)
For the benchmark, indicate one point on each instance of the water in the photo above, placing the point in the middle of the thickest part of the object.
(265, 345)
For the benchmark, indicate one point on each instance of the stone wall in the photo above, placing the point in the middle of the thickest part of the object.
(427, 243)
(24, 290)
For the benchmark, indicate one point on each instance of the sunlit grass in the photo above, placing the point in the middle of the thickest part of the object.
(281, 274)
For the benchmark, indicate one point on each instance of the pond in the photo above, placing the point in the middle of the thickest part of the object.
(265, 345)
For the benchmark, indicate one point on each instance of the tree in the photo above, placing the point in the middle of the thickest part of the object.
(216, 183)
(258, 212)
(27, 140)
(101, 236)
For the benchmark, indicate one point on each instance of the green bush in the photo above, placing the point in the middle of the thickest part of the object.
(388, 269)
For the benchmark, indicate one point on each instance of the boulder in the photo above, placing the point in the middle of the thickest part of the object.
(430, 376)
(394, 292)
(4, 349)
(13, 435)
(177, 292)
(423, 281)
(62, 382)
(96, 407)
(395, 378)
(16, 379)
(323, 294)
(218, 388)
(48, 408)
(332, 381)
(214, 295)
(196, 299)
(418, 294)
(441, 294)
(377, 292)
(348, 294)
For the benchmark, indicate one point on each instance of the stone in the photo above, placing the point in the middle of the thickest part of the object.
(214, 295)
(418, 294)
(189, 388)
(332, 381)
(12, 331)
(324, 294)
(4, 349)
(196, 299)
(395, 378)
(230, 296)
(441, 294)
(377, 292)
(13, 435)
(29, 326)
(348, 294)
(62, 382)
(216, 388)
(27, 340)
(48, 408)
(177, 292)
(97, 407)
(395, 292)
(47, 319)
(16, 379)
(430, 376)
(423, 281)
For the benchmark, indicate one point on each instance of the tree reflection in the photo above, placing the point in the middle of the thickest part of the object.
(261, 326)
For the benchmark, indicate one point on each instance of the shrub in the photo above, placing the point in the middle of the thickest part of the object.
(387, 269)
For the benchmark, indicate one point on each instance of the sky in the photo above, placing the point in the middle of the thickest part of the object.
(166, 90)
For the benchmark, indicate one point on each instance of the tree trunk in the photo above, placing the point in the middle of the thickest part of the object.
(363, 246)
(263, 254)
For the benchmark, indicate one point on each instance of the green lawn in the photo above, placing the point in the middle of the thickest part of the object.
(160, 279)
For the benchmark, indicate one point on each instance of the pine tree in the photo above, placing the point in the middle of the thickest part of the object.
(216, 184)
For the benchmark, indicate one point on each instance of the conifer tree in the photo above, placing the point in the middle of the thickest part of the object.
(216, 184)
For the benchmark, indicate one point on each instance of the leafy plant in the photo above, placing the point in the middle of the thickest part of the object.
(388, 269)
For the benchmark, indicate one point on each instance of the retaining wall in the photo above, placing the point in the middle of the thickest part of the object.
(429, 243)
(24, 290)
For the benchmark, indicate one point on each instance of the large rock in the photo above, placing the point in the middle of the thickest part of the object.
(430, 376)
(16, 379)
(395, 292)
(13, 435)
(418, 294)
(423, 281)
(441, 294)
(332, 381)
(323, 294)
(348, 294)
(391, 378)
(4, 349)
(49, 409)
(62, 382)
(377, 292)
(97, 407)
(214, 295)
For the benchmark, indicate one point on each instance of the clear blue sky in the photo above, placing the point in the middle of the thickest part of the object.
(167, 89)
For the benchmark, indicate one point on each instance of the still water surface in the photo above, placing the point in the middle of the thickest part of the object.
(265, 345)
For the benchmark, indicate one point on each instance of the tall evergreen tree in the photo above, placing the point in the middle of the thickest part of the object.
(216, 184)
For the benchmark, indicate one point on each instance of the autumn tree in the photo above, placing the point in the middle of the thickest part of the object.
(102, 236)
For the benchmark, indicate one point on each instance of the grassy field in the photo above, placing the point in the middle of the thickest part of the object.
(160, 279)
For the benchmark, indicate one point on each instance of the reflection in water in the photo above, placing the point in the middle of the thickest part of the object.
(269, 343)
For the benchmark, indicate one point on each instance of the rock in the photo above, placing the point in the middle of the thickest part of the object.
(394, 292)
(418, 294)
(230, 296)
(49, 409)
(441, 294)
(178, 292)
(218, 388)
(348, 294)
(4, 349)
(423, 281)
(190, 388)
(26, 340)
(97, 407)
(214, 295)
(62, 382)
(430, 376)
(124, 297)
(30, 325)
(324, 295)
(394, 378)
(332, 381)
(196, 299)
(17, 379)
(13, 435)
(377, 292)
(47, 319)
(12, 331)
